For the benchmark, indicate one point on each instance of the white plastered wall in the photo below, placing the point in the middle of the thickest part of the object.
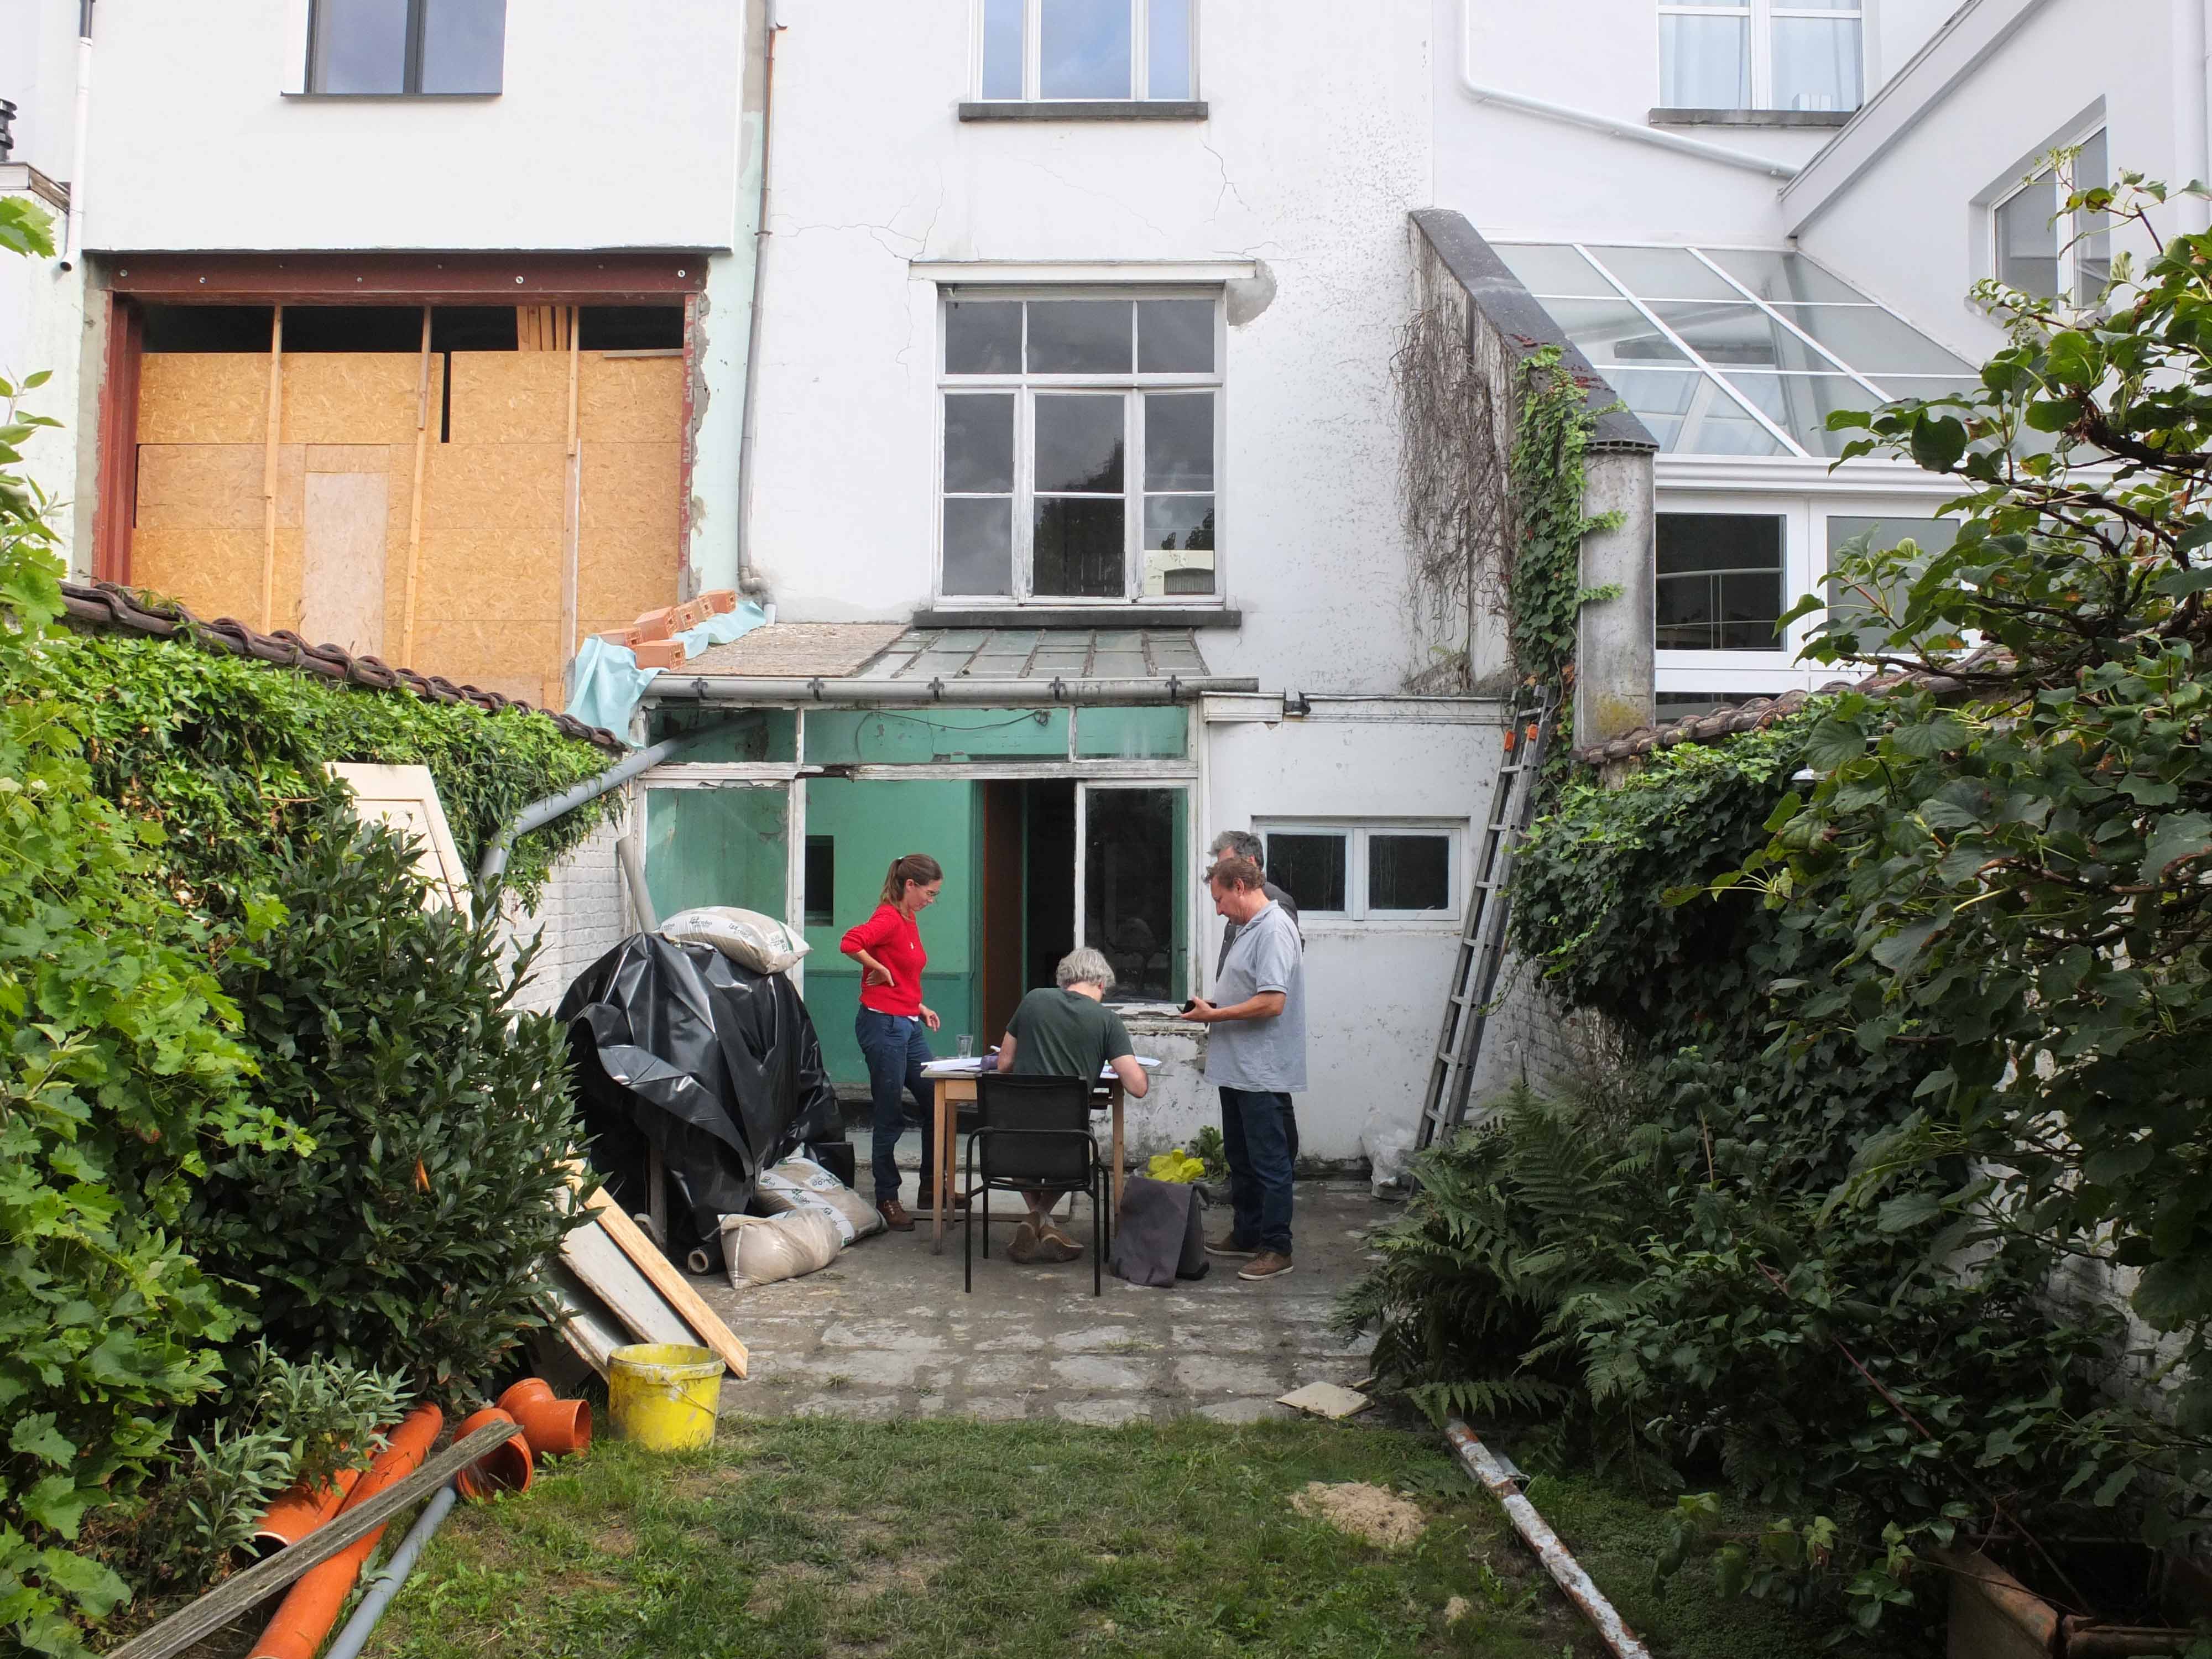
(617, 127)
(1912, 228)
(583, 914)
(1375, 989)
(1316, 146)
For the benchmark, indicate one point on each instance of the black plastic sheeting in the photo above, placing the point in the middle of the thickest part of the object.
(677, 1048)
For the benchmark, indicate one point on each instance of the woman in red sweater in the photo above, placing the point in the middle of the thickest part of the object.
(889, 1025)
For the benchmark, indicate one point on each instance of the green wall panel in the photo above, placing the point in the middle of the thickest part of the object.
(870, 823)
(716, 846)
(897, 737)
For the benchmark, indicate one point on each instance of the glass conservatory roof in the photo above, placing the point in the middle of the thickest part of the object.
(1732, 352)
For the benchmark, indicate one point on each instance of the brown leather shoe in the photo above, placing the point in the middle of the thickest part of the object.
(1269, 1264)
(1229, 1244)
(895, 1216)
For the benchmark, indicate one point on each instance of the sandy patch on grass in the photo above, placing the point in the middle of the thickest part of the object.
(1383, 1518)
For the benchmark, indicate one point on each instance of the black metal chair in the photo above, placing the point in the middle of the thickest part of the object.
(1033, 1135)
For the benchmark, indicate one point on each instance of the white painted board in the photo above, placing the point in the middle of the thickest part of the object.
(406, 798)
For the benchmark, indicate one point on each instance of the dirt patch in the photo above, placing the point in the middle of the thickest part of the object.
(615, 1538)
(1456, 1609)
(1383, 1518)
(774, 1587)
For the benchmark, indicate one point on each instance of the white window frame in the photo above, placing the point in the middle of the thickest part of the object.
(1356, 833)
(1760, 41)
(1735, 674)
(2069, 232)
(1132, 385)
(1140, 64)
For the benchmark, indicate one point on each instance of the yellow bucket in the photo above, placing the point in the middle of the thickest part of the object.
(663, 1394)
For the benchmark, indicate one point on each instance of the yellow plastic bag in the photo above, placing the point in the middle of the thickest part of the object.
(1177, 1166)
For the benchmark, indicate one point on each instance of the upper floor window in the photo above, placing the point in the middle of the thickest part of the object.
(1761, 54)
(2041, 251)
(1080, 432)
(400, 47)
(1088, 50)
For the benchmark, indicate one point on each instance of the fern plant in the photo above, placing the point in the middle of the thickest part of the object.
(1509, 1224)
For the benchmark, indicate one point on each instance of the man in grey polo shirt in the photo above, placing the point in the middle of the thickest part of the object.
(1255, 1055)
(1244, 844)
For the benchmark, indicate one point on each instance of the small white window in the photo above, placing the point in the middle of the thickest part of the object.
(401, 48)
(1761, 54)
(1375, 873)
(1080, 437)
(1088, 50)
(2036, 249)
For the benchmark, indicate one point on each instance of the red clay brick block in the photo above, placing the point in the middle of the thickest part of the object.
(659, 624)
(719, 601)
(620, 636)
(659, 653)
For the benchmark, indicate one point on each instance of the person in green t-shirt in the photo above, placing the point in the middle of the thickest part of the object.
(1067, 1030)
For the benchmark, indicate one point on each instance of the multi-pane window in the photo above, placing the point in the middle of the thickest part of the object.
(1081, 438)
(1382, 871)
(2042, 251)
(1720, 585)
(1761, 54)
(1088, 50)
(367, 47)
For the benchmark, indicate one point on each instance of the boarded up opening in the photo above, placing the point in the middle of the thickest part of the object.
(528, 459)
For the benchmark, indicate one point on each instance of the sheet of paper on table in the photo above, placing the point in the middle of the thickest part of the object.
(973, 1067)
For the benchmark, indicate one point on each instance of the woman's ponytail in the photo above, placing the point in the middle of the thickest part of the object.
(918, 867)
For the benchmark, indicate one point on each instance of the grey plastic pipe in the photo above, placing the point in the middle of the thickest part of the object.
(358, 1629)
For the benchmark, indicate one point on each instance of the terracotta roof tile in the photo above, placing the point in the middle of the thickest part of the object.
(105, 606)
(1755, 714)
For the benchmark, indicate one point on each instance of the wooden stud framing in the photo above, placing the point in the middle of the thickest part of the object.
(573, 525)
(269, 469)
(415, 500)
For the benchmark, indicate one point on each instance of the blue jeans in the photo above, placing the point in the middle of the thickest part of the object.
(1256, 1128)
(896, 1049)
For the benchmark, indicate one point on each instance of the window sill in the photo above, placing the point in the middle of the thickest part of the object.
(1117, 109)
(1828, 118)
(1102, 616)
(390, 97)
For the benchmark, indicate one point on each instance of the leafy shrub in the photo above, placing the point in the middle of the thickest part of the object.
(411, 1240)
(221, 751)
(120, 1075)
(285, 1423)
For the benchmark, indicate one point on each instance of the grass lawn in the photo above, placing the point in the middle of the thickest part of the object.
(954, 1537)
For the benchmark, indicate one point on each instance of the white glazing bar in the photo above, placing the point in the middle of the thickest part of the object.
(1704, 367)
(1699, 254)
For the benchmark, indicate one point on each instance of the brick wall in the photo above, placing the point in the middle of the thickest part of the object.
(583, 914)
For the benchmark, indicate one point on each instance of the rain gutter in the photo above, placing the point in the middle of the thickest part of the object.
(750, 692)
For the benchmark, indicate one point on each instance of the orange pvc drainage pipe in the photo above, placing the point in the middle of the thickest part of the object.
(298, 1511)
(311, 1606)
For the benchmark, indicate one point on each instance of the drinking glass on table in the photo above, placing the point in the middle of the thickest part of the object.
(967, 1045)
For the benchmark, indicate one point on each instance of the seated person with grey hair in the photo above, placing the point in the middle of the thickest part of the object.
(1066, 1029)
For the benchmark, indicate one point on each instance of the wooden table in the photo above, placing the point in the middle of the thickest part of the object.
(951, 1092)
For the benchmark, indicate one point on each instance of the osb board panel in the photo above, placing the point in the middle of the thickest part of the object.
(204, 398)
(342, 585)
(632, 522)
(361, 457)
(217, 573)
(492, 534)
(355, 396)
(499, 654)
(206, 486)
(629, 400)
(510, 396)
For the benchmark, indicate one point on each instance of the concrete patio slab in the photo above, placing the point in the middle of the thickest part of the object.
(886, 1332)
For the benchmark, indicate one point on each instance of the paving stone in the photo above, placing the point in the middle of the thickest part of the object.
(867, 1365)
(1245, 1411)
(994, 1408)
(861, 1407)
(1099, 1338)
(1108, 1412)
(881, 1333)
(1099, 1372)
(1209, 1377)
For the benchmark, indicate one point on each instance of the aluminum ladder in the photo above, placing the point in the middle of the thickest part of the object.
(1481, 954)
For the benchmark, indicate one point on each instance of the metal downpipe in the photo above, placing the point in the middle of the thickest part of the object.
(539, 813)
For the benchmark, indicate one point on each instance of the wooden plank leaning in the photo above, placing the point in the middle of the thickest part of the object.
(671, 1284)
(235, 1595)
